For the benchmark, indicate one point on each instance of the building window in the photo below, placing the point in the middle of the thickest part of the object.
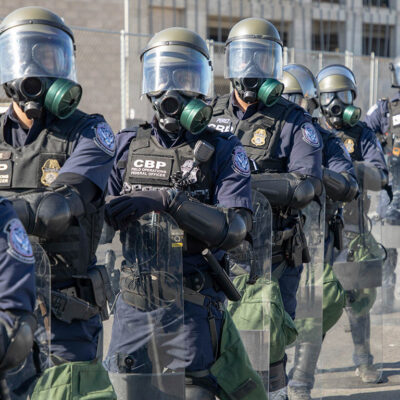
(326, 36)
(329, 1)
(376, 38)
(218, 28)
(376, 3)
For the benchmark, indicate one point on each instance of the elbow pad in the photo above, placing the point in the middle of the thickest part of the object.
(17, 340)
(48, 213)
(370, 177)
(340, 186)
(285, 190)
(216, 227)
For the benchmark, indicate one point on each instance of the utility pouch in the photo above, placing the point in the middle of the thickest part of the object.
(96, 289)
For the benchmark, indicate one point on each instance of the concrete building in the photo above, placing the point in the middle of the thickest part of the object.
(108, 64)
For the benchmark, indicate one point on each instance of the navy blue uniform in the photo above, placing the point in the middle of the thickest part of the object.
(336, 158)
(17, 264)
(231, 188)
(92, 158)
(299, 147)
(377, 117)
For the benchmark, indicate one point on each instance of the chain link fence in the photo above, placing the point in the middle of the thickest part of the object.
(109, 69)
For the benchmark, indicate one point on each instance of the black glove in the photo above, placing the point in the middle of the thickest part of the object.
(122, 210)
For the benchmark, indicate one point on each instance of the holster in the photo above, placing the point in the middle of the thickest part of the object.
(296, 249)
(85, 299)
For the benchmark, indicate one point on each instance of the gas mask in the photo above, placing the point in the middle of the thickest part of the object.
(177, 109)
(338, 109)
(308, 104)
(266, 90)
(32, 94)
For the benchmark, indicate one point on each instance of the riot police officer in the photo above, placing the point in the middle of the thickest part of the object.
(340, 186)
(283, 147)
(382, 119)
(212, 208)
(55, 163)
(17, 298)
(337, 91)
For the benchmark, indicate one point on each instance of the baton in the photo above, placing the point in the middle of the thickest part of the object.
(221, 276)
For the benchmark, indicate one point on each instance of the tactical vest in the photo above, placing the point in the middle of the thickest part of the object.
(34, 167)
(351, 139)
(259, 133)
(151, 166)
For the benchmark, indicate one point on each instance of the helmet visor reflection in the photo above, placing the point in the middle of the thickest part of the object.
(253, 58)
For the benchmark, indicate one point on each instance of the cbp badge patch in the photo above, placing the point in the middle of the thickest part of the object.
(105, 139)
(349, 144)
(49, 172)
(186, 167)
(310, 135)
(19, 246)
(259, 136)
(240, 162)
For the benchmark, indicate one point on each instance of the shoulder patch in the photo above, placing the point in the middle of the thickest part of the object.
(310, 134)
(19, 246)
(104, 138)
(240, 162)
(372, 109)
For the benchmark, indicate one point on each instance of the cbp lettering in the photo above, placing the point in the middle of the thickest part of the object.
(149, 164)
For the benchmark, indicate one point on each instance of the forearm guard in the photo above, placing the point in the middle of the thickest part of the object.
(370, 177)
(214, 226)
(339, 186)
(50, 212)
(285, 190)
(16, 341)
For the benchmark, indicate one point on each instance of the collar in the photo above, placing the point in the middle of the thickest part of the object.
(251, 109)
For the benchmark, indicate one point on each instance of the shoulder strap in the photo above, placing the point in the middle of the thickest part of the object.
(220, 103)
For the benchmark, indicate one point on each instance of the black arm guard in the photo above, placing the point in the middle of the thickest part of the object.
(340, 186)
(286, 190)
(216, 227)
(370, 177)
(16, 342)
(48, 213)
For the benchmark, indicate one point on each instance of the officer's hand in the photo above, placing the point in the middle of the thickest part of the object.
(16, 338)
(122, 210)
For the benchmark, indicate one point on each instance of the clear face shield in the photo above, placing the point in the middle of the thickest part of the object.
(255, 68)
(305, 79)
(175, 67)
(45, 53)
(395, 69)
(173, 77)
(37, 70)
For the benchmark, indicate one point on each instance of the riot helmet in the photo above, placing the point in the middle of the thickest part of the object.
(37, 62)
(253, 60)
(395, 71)
(336, 91)
(177, 74)
(300, 86)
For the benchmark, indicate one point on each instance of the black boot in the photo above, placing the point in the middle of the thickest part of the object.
(302, 374)
(360, 332)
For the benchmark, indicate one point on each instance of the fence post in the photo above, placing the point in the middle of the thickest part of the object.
(320, 57)
(285, 56)
(123, 80)
(376, 71)
(371, 79)
(210, 45)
